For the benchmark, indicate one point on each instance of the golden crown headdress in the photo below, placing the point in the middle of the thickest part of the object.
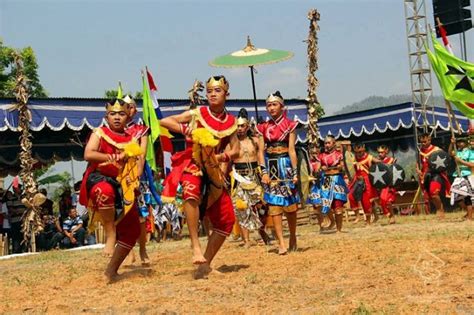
(382, 149)
(275, 98)
(129, 100)
(218, 81)
(117, 106)
(242, 120)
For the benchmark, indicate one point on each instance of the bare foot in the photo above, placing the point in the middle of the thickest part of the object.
(202, 271)
(109, 248)
(441, 216)
(144, 258)
(146, 261)
(282, 251)
(198, 258)
(391, 220)
(356, 220)
(110, 277)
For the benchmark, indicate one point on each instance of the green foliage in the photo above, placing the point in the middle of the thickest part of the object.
(8, 71)
(112, 94)
(37, 173)
(138, 95)
(63, 179)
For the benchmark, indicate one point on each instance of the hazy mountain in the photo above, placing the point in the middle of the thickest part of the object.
(382, 101)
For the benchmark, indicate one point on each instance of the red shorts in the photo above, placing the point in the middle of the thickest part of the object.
(102, 195)
(387, 197)
(337, 204)
(435, 188)
(191, 185)
(128, 229)
(221, 213)
(366, 202)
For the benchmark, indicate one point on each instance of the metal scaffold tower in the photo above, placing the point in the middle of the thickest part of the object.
(420, 69)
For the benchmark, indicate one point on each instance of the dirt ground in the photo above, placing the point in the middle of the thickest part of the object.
(418, 265)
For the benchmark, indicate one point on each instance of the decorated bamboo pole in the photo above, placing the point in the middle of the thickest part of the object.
(31, 219)
(315, 111)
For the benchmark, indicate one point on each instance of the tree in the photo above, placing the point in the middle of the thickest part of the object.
(8, 71)
(112, 94)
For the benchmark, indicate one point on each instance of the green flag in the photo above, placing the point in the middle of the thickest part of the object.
(455, 78)
(120, 91)
(150, 119)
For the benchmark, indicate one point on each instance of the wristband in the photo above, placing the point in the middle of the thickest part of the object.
(263, 169)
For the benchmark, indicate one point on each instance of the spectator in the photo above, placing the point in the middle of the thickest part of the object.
(81, 210)
(82, 213)
(16, 209)
(73, 230)
(5, 217)
(49, 237)
(65, 203)
(47, 206)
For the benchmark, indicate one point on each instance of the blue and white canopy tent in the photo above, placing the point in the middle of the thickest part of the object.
(60, 126)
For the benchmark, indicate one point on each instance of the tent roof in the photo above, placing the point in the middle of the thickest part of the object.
(75, 113)
(60, 125)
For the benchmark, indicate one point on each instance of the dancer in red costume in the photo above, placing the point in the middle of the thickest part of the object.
(189, 171)
(432, 183)
(389, 193)
(332, 192)
(361, 189)
(101, 190)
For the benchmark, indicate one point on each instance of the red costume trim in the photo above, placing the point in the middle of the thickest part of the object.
(219, 127)
(278, 129)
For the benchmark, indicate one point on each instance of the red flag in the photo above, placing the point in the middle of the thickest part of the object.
(165, 136)
(153, 93)
(444, 36)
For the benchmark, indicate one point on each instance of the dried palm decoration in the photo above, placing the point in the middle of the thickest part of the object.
(32, 223)
(315, 111)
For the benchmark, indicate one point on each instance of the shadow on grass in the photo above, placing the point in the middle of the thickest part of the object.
(231, 268)
(132, 273)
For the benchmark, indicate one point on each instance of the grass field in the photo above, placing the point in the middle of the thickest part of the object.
(419, 265)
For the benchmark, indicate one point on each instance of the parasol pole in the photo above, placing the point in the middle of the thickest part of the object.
(254, 94)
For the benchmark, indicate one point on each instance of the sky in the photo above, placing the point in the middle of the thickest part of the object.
(85, 47)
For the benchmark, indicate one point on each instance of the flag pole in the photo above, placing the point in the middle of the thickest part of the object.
(451, 128)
